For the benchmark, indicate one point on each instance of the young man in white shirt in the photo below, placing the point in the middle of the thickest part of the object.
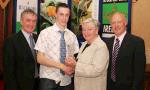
(48, 56)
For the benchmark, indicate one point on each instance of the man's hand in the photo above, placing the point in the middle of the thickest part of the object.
(70, 61)
(69, 70)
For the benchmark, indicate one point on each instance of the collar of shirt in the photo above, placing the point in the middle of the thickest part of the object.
(120, 37)
(56, 28)
(26, 35)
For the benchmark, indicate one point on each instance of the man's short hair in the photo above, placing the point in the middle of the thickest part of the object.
(27, 11)
(64, 5)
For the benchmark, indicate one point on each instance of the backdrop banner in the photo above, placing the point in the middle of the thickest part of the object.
(98, 9)
(83, 9)
(108, 8)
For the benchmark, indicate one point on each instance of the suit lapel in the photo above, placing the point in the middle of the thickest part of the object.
(81, 49)
(24, 43)
(123, 46)
(122, 50)
(35, 37)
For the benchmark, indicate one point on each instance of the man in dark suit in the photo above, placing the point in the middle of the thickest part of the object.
(20, 67)
(127, 57)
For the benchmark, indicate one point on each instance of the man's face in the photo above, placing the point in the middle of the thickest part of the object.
(28, 22)
(62, 16)
(89, 32)
(118, 24)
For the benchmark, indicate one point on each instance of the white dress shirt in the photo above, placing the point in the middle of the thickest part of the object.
(49, 43)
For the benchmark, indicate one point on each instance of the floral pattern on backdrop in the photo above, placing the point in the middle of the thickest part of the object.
(80, 10)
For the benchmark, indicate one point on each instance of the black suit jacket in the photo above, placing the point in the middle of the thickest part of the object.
(19, 63)
(130, 62)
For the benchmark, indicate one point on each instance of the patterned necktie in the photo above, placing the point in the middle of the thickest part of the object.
(32, 44)
(62, 48)
(114, 56)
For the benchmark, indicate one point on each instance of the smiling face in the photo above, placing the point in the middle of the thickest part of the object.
(89, 31)
(118, 24)
(28, 22)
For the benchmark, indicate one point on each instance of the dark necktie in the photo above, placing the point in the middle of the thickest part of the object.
(114, 56)
(32, 44)
(62, 48)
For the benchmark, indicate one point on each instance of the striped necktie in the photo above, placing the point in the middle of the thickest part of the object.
(114, 57)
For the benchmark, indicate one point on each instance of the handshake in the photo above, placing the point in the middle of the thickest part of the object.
(69, 66)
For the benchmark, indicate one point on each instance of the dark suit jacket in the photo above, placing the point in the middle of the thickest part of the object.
(19, 63)
(130, 62)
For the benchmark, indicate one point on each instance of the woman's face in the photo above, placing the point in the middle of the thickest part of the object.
(89, 32)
